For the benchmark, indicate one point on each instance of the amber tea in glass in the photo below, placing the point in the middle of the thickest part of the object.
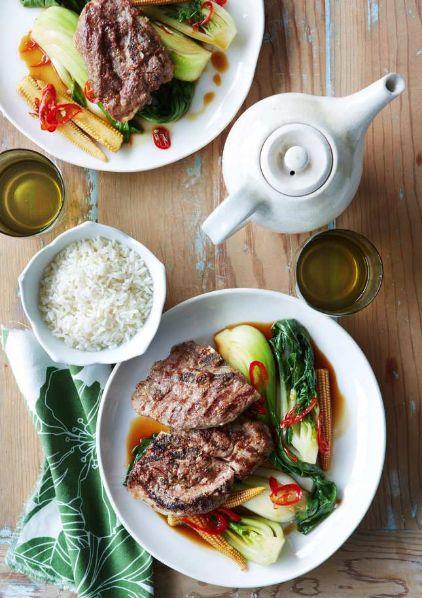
(31, 193)
(338, 272)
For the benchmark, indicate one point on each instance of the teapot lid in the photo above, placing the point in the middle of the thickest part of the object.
(296, 159)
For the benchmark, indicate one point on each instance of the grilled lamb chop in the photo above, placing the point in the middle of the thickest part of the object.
(124, 56)
(193, 388)
(192, 472)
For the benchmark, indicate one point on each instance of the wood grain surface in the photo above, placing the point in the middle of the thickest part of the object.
(332, 47)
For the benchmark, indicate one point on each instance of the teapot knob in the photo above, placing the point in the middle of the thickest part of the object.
(296, 159)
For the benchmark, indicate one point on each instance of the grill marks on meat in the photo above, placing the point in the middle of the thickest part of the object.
(243, 445)
(192, 472)
(124, 56)
(179, 479)
(193, 388)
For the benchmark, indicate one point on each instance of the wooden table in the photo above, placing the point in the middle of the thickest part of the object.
(333, 47)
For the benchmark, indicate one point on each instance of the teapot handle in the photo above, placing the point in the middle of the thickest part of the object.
(231, 215)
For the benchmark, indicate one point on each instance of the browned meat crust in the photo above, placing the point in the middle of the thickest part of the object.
(124, 56)
(193, 388)
(192, 472)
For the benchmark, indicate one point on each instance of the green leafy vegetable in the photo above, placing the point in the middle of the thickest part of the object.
(219, 31)
(256, 538)
(242, 345)
(72, 86)
(54, 30)
(291, 346)
(295, 357)
(170, 102)
(190, 11)
(76, 5)
(78, 95)
(137, 453)
(188, 57)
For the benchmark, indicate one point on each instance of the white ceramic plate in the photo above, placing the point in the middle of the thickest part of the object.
(188, 136)
(358, 452)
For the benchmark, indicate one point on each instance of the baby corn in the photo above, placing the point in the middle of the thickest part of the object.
(93, 125)
(241, 496)
(30, 91)
(219, 543)
(326, 415)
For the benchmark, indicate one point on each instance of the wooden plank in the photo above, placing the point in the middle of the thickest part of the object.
(20, 445)
(14, 584)
(370, 39)
(370, 564)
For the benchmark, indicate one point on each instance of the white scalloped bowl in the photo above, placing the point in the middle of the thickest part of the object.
(29, 282)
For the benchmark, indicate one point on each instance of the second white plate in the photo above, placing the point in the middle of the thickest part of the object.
(358, 452)
(188, 135)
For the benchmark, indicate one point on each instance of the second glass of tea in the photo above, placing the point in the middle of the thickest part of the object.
(338, 272)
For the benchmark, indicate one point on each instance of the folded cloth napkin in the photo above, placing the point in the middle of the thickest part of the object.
(69, 534)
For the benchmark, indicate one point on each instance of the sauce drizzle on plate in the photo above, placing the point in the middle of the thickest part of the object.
(219, 61)
(142, 427)
(33, 56)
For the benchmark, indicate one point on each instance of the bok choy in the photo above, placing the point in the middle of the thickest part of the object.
(262, 504)
(243, 345)
(188, 57)
(213, 24)
(246, 349)
(53, 31)
(256, 538)
(291, 346)
(169, 103)
(295, 357)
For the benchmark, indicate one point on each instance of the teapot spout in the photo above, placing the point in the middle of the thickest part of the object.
(360, 108)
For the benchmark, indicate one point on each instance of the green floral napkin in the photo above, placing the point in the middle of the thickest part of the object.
(69, 534)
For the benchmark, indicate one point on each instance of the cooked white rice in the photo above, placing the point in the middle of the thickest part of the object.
(96, 294)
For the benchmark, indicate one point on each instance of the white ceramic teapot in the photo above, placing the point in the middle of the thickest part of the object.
(293, 162)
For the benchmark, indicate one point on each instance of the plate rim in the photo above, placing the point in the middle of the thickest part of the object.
(102, 167)
(381, 427)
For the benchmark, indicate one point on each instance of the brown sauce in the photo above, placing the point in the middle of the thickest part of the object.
(219, 61)
(208, 98)
(44, 72)
(217, 79)
(291, 527)
(141, 427)
(337, 398)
